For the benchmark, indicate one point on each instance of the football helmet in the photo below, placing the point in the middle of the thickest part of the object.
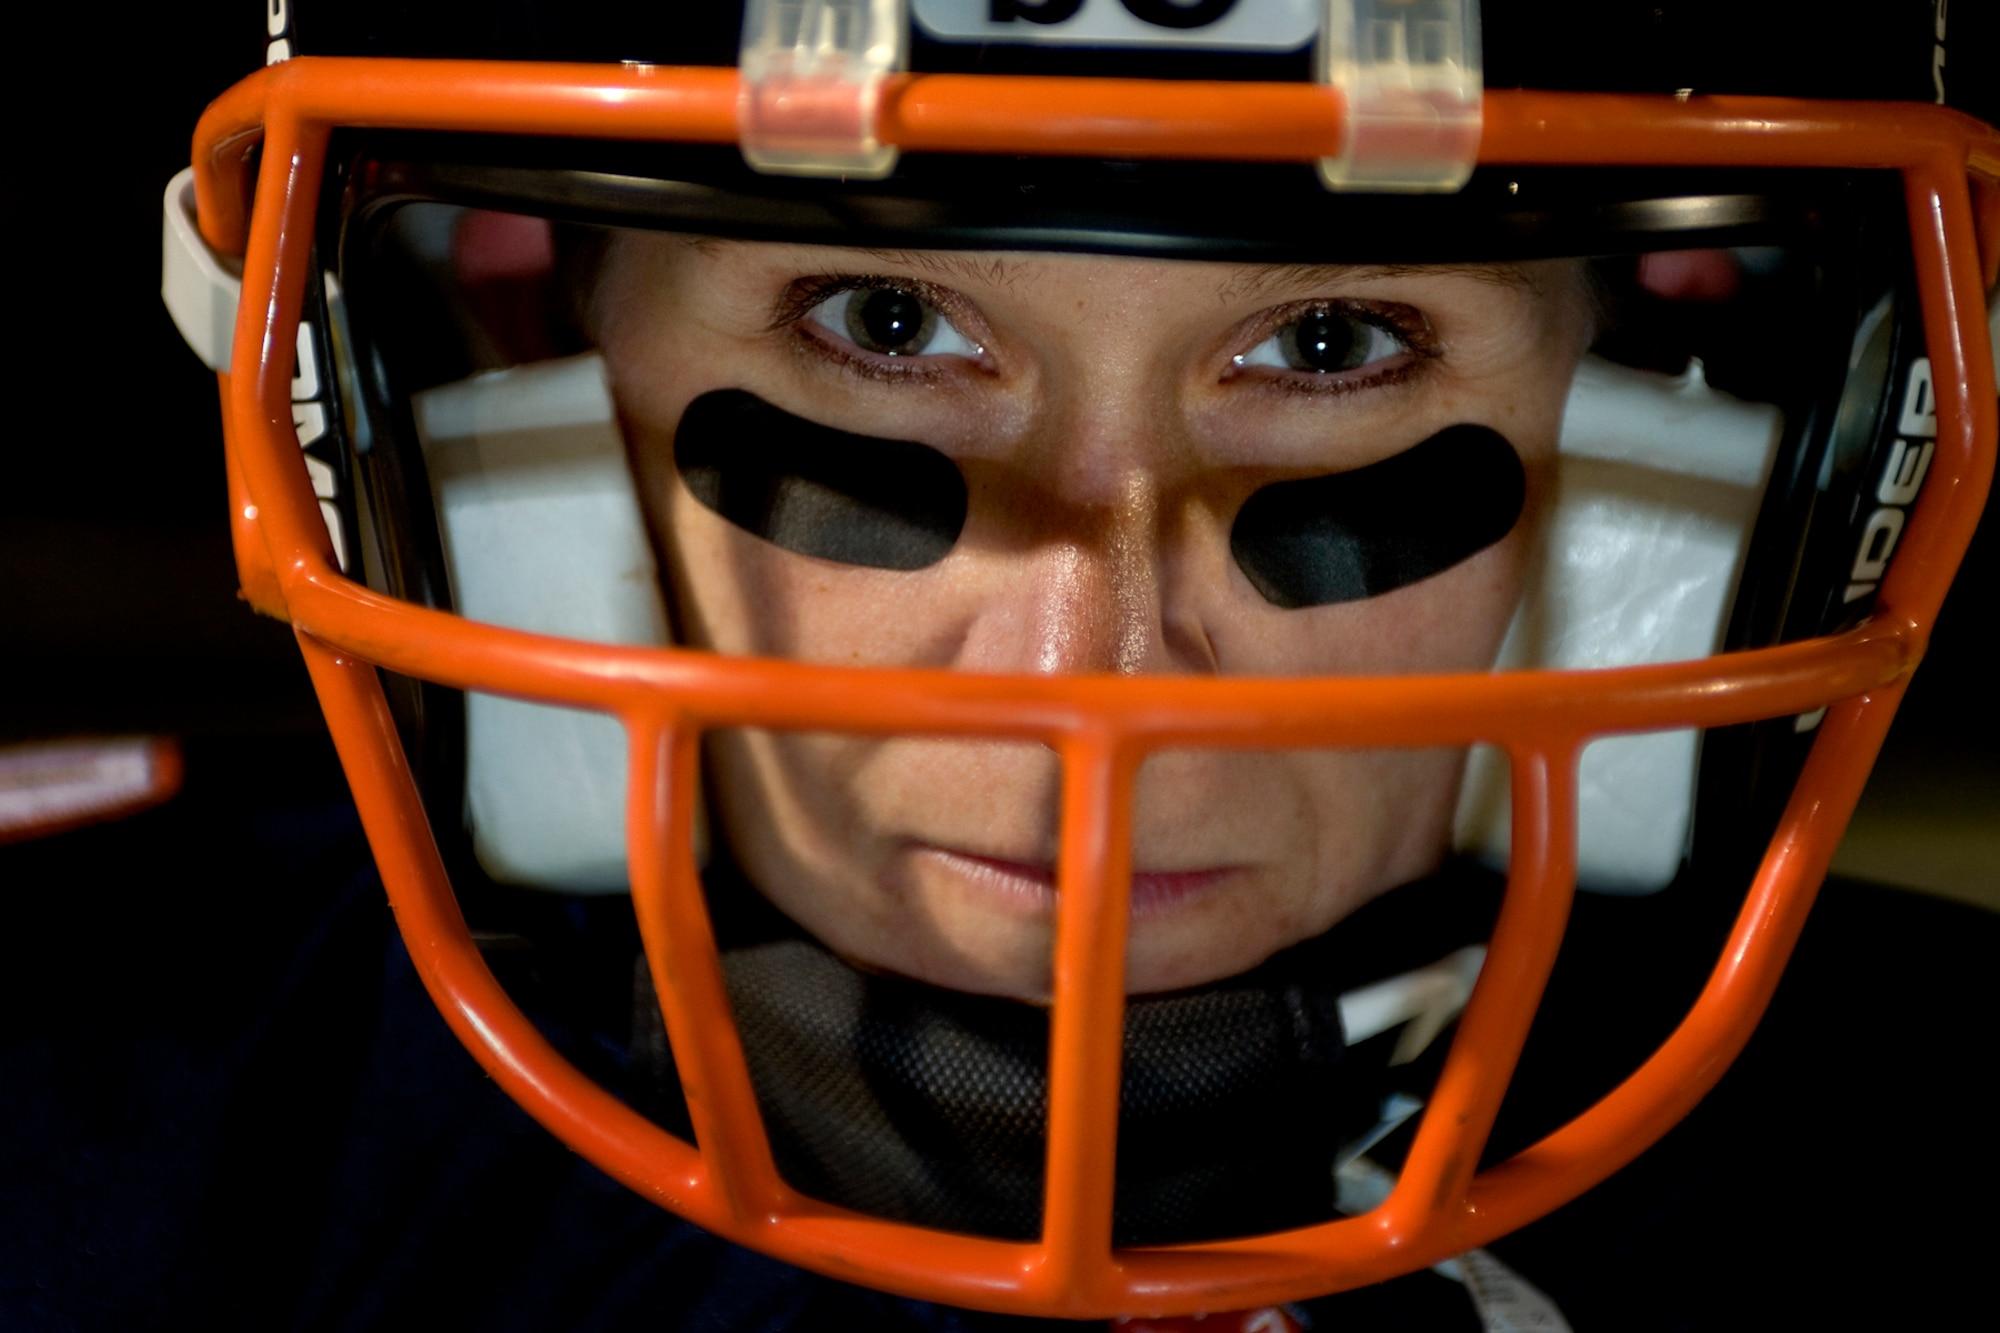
(409, 246)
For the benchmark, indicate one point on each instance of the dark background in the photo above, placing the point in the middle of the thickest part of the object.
(118, 608)
(119, 593)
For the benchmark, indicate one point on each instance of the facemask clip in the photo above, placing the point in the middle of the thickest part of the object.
(1411, 75)
(812, 74)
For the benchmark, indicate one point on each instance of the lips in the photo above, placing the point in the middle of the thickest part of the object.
(1031, 884)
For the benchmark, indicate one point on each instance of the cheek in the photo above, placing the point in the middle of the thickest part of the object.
(737, 594)
(1385, 818)
(795, 825)
(1453, 621)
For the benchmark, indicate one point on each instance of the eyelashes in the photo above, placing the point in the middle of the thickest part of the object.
(895, 328)
(1336, 347)
(915, 326)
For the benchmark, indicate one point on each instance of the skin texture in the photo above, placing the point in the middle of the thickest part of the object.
(1108, 436)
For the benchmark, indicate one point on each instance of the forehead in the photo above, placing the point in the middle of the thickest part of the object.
(1034, 274)
(1010, 269)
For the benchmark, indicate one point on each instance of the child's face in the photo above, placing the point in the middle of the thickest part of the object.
(1109, 419)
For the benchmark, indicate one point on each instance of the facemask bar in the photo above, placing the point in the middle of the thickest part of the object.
(1100, 727)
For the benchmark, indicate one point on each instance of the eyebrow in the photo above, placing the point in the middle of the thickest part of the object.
(965, 265)
(1253, 280)
(1246, 281)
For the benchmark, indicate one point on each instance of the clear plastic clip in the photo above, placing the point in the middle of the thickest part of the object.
(812, 75)
(1410, 70)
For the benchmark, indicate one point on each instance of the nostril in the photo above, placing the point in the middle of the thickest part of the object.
(1189, 646)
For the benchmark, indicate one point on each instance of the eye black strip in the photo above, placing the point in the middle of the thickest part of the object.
(1320, 541)
(817, 491)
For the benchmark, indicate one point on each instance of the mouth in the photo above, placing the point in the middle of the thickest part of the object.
(1031, 885)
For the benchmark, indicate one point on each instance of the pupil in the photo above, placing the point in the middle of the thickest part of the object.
(889, 321)
(1322, 341)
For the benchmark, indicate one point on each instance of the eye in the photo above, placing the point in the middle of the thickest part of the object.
(1325, 341)
(890, 321)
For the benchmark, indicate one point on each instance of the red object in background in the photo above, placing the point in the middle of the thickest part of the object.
(50, 786)
(1691, 275)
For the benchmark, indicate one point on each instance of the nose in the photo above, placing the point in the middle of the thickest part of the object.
(1100, 547)
(1091, 601)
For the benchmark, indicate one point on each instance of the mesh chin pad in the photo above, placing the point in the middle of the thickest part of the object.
(1238, 1099)
(929, 1106)
(1658, 483)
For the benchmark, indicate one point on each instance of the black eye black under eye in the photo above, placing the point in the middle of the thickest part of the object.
(889, 321)
(817, 491)
(1321, 541)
